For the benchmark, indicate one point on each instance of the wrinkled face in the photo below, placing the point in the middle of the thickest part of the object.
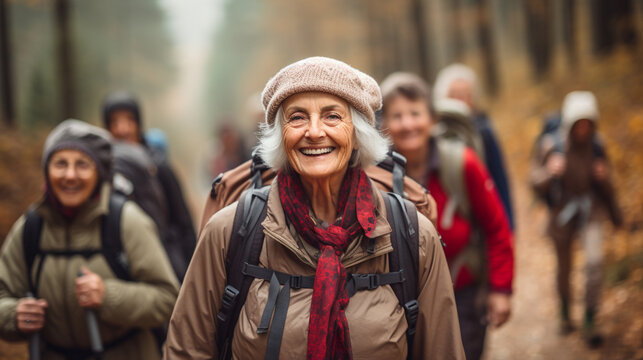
(318, 134)
(462, 90)
(73, 176)
(123, 126)
(408, 122)
(582, 130)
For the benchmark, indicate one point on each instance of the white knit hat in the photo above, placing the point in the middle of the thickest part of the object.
(579, 105)
(324, 75)
(451, 73)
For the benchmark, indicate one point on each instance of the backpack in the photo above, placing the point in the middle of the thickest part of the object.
(246, 184)
(451, 151)
(136, 176)
(460, 128)
(388, 175)
(242, 267)
(551, 130)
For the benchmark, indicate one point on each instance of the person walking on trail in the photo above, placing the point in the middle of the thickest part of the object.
(122, 117)
(571, 171)
(471, 218)
(66, 233)
(323, 261)
(460, 82)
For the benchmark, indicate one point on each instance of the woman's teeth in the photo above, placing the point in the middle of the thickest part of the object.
(317, 151)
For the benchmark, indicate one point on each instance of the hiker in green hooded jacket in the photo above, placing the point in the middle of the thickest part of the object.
(77, 163)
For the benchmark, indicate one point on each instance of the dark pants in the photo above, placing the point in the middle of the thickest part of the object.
(473, 326)
(592, 243)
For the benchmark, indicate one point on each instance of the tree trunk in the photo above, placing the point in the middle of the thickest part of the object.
(5, 70)
(538, 13)
(65, 69)
(486, 46)
(417, 10)
(569, 30)
(457, 24)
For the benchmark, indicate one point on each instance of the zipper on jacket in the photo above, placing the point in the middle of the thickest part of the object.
(288, 244)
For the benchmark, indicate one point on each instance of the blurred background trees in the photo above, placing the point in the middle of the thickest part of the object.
(62, 56)
(506, 41)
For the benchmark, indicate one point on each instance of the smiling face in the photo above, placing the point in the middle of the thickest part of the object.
(318, 135)
(73, 176)
(408, 123)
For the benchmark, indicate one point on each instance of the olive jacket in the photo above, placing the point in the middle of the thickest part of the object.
(138, 305)
(376, 320)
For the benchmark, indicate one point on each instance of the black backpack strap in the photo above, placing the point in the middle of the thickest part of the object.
(402, 215)
(395, 163)
(256, 169)
(31, 245)
(112, 242)
(244, 247)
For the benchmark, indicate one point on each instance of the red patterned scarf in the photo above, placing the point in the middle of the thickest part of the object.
(328, 335)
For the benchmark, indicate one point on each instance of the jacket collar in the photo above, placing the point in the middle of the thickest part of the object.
(88, 212)
(276, 227)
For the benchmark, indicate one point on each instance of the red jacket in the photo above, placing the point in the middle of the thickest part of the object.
(489, 213)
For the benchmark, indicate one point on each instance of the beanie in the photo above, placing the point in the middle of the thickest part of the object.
(324, 75)
(78, 135)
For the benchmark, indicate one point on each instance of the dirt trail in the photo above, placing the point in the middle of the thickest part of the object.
(532, 332)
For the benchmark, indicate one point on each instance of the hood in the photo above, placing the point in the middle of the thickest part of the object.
(122, 100)
(578, 105)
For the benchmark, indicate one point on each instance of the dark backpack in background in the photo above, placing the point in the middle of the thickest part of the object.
(136, 176)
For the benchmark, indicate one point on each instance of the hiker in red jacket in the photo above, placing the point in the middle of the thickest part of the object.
(471, 217)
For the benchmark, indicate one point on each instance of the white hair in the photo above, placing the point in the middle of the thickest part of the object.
(450, 74)
(372, 146)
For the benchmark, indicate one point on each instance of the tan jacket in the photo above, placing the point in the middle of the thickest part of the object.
(143, 304)
(232, 183)
(376, 320)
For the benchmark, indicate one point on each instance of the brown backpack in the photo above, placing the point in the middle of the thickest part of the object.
(387, 175)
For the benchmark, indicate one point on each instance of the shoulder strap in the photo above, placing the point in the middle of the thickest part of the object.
(111, 240)
(451, 173)
(402, 215)
(256, 169)
(244, 247)
(395, 163)
(31, 243)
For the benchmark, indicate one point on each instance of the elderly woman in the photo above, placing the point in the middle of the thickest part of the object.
(64, 253)
(322, 213)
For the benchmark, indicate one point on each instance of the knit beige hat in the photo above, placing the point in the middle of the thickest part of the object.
(325, 75)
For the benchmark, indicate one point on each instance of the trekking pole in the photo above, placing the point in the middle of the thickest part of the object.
(34, 340)
(94, 334)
